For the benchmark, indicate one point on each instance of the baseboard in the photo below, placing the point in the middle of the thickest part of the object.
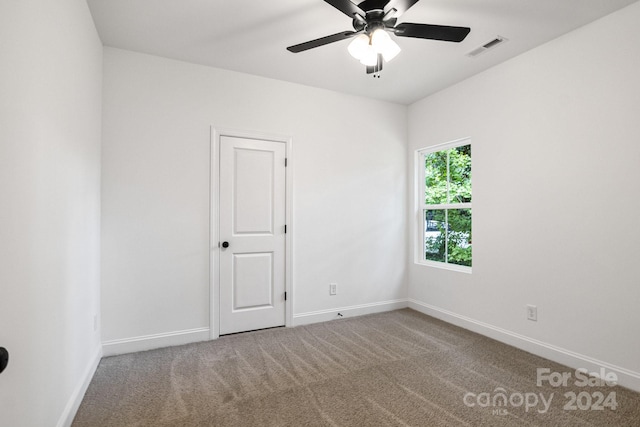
(150, 342)
(69, 413)
(626, 377)
(350, 311)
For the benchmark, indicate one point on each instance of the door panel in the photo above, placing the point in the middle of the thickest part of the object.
(252, 218)
(253, 192)
(252, 281)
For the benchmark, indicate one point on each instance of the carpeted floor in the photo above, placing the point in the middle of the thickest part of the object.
(399, 368)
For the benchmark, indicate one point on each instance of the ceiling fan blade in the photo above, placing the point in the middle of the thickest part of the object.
(322, 41)
(432, 32)
(346, 7)
(401, 6)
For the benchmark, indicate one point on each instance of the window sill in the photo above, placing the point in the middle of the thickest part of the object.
(445, 266)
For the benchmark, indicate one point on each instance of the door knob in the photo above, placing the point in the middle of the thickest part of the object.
(225, 244)
(4, 358)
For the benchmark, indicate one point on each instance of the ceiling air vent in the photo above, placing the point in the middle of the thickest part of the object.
(485, 47)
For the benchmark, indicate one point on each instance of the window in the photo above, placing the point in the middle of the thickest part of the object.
(444, 205)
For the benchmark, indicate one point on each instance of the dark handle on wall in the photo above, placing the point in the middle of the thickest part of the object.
(4, 358)
(225, 244)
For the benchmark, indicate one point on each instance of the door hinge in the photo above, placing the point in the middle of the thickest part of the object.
(285, 162)
(285, 296)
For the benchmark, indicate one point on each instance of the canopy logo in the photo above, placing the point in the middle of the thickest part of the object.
(499, 399)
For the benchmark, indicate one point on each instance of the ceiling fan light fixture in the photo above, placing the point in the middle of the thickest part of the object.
(359, 46)
(384, 45)
(379, 37)
(370, 57)
(391, 51)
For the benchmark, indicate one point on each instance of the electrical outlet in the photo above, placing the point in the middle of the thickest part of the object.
(532, 313)
(333, 289)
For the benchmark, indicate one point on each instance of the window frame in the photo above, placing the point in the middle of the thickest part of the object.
(421, 205)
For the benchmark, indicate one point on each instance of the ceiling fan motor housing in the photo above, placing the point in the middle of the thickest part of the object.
(374, 17)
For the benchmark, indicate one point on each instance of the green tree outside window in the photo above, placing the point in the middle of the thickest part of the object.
(447, 206)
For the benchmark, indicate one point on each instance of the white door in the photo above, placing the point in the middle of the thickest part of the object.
(252, 234)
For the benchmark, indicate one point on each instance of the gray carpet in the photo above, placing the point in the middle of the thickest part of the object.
(399, 368)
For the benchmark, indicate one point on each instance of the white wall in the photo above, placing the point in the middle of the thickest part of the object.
(556, 156)
(349, 190)
(50, 113)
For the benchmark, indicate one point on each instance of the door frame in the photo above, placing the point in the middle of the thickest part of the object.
(214, 218)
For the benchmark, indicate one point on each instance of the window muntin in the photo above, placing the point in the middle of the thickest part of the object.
(445, 205)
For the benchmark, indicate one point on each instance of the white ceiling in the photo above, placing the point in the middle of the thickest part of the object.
(251, 36)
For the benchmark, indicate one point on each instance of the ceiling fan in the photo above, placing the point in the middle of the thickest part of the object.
(373, 20)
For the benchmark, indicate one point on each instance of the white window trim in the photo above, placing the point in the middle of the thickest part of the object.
(420, 205)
